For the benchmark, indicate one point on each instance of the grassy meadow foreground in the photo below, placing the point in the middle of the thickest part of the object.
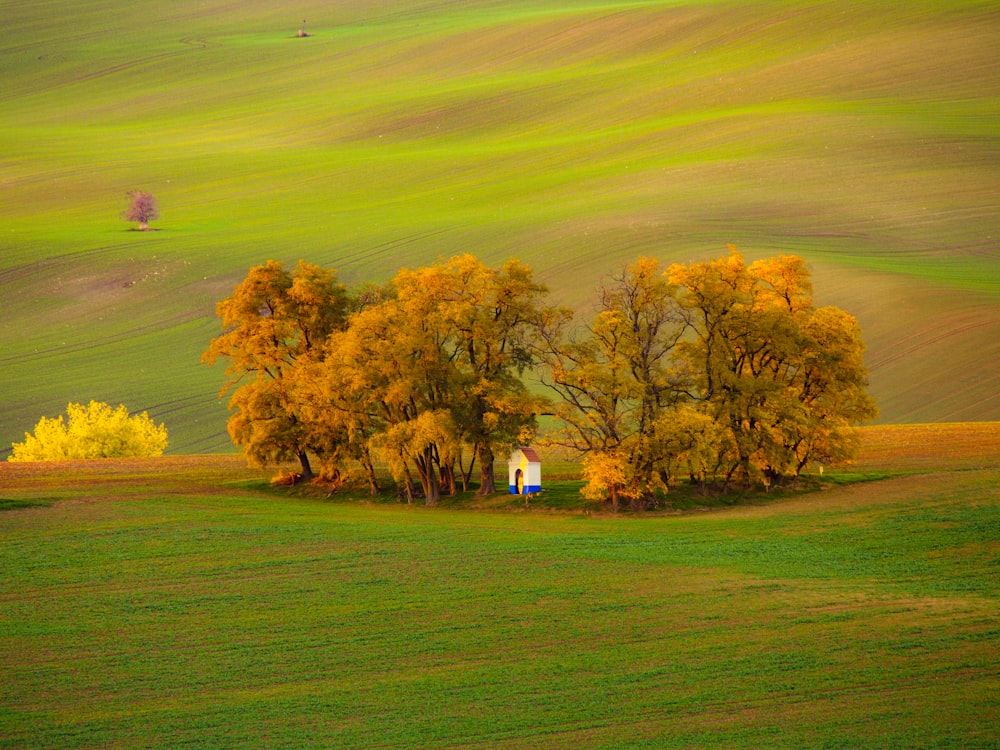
(182, 601)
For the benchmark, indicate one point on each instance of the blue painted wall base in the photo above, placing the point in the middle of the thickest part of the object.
(530, 489)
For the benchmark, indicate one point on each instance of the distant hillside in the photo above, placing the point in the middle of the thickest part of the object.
(861, 136)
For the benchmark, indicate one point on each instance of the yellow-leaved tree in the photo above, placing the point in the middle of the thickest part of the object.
(93, 431)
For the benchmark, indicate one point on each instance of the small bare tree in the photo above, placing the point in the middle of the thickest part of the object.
(142, 208)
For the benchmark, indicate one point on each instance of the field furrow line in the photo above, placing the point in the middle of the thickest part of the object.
(383, 249)
(26, 270)
(927, 337)
(110, 70)
(954, 393)
(91, 344)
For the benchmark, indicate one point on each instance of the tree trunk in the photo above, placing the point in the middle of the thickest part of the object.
(143, 226)
(432, 490)
(409, 483)
(467, 473)
(307, 472)
(487, 475)
(366, 461)
(428, 476)
(448, 484)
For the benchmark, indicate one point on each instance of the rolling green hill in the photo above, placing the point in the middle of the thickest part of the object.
(575, 136)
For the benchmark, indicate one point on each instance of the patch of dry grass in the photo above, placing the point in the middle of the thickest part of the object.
(930, 447)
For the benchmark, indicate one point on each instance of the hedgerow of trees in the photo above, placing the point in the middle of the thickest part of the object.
(93, 431)
(718, 373)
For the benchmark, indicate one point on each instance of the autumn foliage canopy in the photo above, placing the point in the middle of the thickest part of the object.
(717, 373)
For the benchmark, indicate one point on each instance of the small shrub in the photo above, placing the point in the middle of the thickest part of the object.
(93, 431)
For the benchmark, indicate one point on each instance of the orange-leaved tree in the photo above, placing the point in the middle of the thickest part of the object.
(431, 366)
(784, 381)
(492, 317)
(615, 380)
(391, 368)
(275, 322)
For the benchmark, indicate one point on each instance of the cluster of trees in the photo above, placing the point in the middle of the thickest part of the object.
(423, 375)
(92, 431)
(716, 371)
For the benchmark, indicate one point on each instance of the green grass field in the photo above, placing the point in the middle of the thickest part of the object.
(180, 602)
(573, 136)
